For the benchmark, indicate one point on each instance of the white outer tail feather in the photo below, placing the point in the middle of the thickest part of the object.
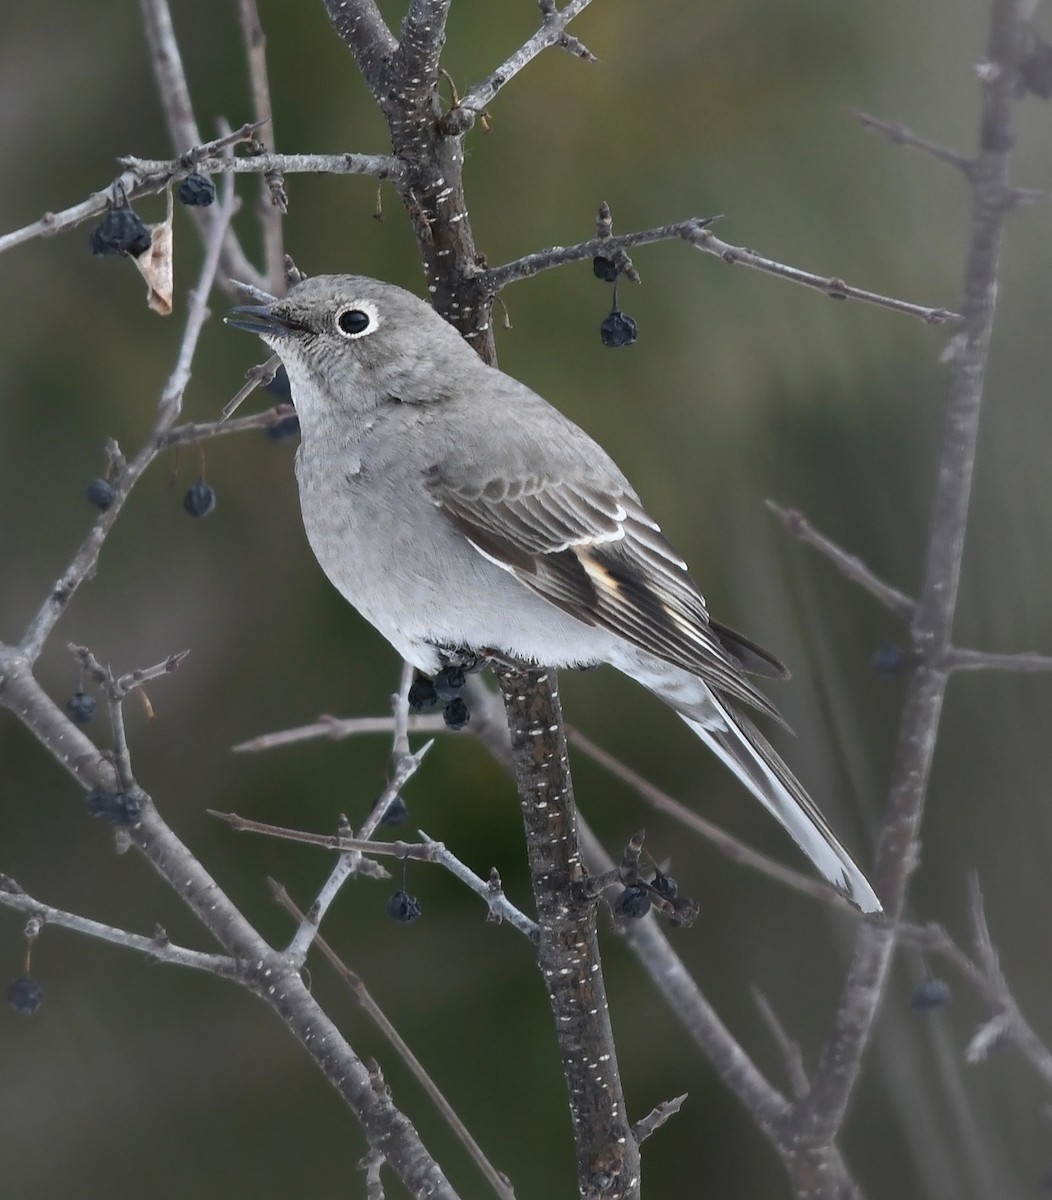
(734, 747)
(743, 749)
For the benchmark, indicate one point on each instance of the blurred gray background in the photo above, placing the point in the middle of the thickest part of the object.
(139, 1080)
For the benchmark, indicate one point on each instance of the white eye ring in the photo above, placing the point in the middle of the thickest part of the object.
(357, 319)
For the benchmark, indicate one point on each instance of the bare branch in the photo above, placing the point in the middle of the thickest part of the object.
(336, 729)
(792, 1056)
(497, 1180)
(420, 47)
(849, 565)
(86, 558)
(126, 186)
(272, 202)
(200, 431)
(157, 948)
(348, 863)
(901, 136)
(568, 950)
(696, 231)
(264, 971)
(1024, 663)
(500, 907)
(362, 29)
(551, 33)
(168, 70)
(821, 1113)
(1012, 1024)
(649, 944)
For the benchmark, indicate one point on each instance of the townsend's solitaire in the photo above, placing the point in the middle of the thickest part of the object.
(458, 511)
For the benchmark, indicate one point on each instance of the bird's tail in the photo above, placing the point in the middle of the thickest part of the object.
(740, 746)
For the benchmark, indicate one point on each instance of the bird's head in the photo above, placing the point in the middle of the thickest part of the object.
(348, 339)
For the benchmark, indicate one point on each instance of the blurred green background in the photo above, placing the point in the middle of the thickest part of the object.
(139, 1080)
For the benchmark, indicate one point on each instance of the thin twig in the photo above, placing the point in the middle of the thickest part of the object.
(148, 176)
(497, 1180)
(901, 136)
(85, 560)
(126, 186)
(348, 863)
(1025, 662)
(428, 850)
(696, 231)
(792, 1056)
(849, 565)
(271, 202)
(1014, 1025)
(183, 129)
(337, 728)
(157, 948)
(500, 907)
(551, 33)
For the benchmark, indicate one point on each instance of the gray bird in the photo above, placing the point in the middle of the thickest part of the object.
(457, 510)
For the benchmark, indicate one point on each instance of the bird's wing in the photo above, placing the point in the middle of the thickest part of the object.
(591, 549)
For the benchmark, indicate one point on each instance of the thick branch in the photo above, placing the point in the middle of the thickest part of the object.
(264, 970)
(362, 29)
(568, 949)
(822, 1113)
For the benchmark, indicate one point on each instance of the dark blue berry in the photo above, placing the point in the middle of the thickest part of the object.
(196, 190)
(25, 996)
(449, 683)
(81, 707)
(618, 329)
(455, 713)
(889, 661)
(121, 232)
(931, 993)
(200, 500)
(633, 902)
(397, 812)
(118, 808)
(665, 886)
(604, 268)
(402, 907)
(100, 493)
(422, 694)
(283, 427)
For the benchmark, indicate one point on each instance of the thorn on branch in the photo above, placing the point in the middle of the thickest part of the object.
(657, 1117)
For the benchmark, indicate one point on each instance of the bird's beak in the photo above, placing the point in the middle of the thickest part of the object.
(261, 319)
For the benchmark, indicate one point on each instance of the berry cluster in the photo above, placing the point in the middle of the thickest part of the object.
(447, 687)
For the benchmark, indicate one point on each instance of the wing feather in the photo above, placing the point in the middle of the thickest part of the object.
(595, 553)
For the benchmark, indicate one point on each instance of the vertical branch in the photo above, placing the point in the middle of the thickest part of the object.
(568, 950)
(270, 211)
(820, 1114)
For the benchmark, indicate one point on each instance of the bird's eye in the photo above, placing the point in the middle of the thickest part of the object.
(357, 319)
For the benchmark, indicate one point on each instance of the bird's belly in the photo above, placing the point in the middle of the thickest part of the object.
(422, 585)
